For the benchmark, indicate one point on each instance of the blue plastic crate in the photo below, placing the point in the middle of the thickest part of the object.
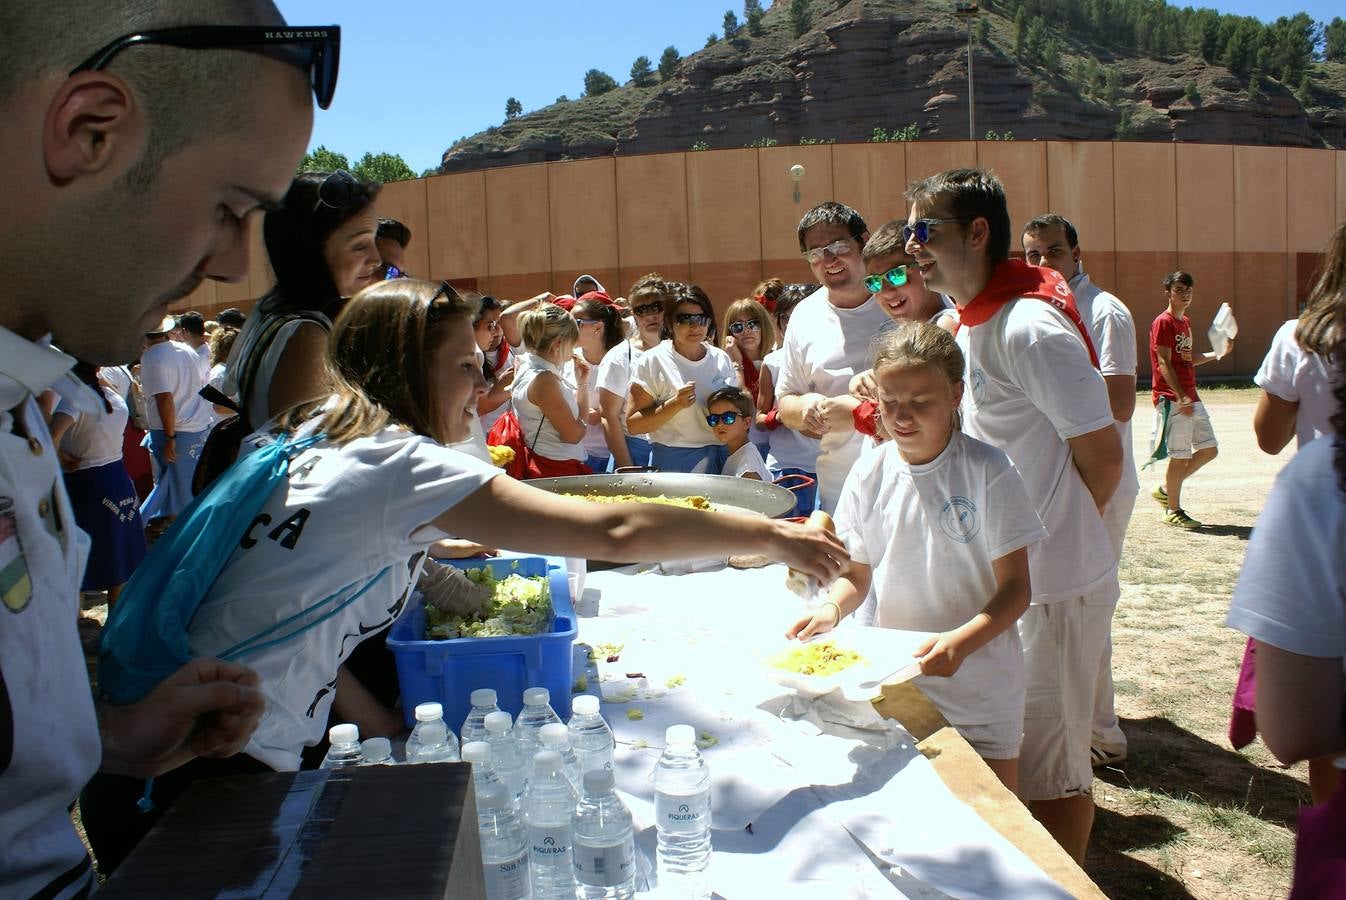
(448, 671)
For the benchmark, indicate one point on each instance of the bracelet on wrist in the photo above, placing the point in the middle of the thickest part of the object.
(834, 605)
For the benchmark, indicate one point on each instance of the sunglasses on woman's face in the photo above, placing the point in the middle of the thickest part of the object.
(728, 418)
(587, 322)
(647, 309)
(749, 325)
(896, 276)
(697, 320)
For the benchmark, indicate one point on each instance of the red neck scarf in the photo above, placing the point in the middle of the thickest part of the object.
(1014, 278)
(751, 377)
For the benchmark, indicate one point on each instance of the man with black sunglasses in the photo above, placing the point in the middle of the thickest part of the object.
(138, 138)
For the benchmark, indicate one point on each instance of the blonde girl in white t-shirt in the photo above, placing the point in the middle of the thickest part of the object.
(939, 524)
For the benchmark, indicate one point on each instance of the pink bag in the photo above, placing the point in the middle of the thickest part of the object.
(1320, 850)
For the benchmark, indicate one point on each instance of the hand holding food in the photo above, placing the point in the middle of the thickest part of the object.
(807, 581)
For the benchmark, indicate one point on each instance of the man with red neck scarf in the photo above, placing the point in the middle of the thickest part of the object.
(1033, 390)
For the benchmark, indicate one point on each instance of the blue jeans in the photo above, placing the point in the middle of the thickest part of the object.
(173, 489)
(640, 449)
(806, 499)
(600, 464)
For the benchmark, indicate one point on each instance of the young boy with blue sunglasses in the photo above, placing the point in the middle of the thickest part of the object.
(730, 415)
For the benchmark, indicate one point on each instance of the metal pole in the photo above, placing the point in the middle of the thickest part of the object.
(971, 114)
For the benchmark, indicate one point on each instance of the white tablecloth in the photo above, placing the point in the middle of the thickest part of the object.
(810, 798)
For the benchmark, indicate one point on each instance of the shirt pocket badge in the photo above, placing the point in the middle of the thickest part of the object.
(16, 587)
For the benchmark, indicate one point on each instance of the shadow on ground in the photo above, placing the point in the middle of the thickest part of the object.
(1239, 531)
(1119, 875)
(1165, 758)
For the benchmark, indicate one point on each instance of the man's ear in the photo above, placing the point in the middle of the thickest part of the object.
(1075, 253)
(94, 123)
(979, 233)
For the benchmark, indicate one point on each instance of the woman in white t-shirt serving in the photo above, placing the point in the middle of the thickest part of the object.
(939, 524)
(670, 384)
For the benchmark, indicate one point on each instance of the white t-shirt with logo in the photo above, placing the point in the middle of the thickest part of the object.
(95, 439)
(787, 448)
(663, 370)
(1030, 387)
(174, 368)
(930, 533)
(744, 460)
(345, 515)
(824, 347)
(1113, 331)
(1293, 374)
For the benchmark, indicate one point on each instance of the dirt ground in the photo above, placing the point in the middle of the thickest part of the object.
(1185, 815)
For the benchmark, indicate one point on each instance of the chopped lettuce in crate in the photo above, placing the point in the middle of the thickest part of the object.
(520, 606)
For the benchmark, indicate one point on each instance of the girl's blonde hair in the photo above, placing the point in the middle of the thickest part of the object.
(380, 356)
(913, 345)
(544, 326)
(221, 343)
(751, 309)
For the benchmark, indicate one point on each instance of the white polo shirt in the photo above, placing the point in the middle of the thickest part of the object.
(95, 439)
(824, 347)
(49, 744)
(1030, 387)
(1113, 331)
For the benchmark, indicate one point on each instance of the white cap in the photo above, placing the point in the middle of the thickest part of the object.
(598, 781)
(343, 734)
(428, 712)
(476, 752)
(483, 697)
(585, 705)
(498, 722)
(554, 734)
(546, 761)
(680, 735)
(376, 748)
(536, 696)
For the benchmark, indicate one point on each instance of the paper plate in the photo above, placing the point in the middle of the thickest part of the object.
(886, 658)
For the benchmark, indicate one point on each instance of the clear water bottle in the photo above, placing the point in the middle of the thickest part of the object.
(604, 840)
(509, 762)
(549, 803)
(483, 767)
(504, 845)
(590, 735)
(377, 751)
(431, 729)
(536, 712)
(556, 736)
(345, 749)
(682, 815)
(474, 726)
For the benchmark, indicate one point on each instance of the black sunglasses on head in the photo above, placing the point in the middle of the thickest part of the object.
(320, 48)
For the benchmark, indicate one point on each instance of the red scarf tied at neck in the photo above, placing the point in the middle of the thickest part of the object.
(1014, 278)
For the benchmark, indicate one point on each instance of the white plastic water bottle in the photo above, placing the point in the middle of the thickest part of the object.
(504, 846)
(605, 843)
(549, 803)
(431, 740)
(478, 753)
(474, 726)
(377, 751)
(536, 712)
(509, 764)
(345, 749)
(556, 736)
(590, 735)
(682, 815)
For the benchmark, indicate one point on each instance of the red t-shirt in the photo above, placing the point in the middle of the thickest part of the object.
(1175, 334)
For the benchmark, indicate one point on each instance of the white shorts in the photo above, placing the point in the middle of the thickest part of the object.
(1063, 647)
(998, 740)
(1186, 434)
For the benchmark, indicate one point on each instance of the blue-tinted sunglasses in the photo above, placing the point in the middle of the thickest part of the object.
(896, 276)
(728, 418)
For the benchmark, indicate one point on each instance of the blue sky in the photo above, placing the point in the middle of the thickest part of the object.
(449, 65)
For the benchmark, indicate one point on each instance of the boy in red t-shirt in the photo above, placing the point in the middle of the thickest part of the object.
(1182, 429)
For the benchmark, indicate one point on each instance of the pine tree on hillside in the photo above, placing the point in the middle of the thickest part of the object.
(513, 108)
(642, 73)
(668, 63)
(752, 14)
(731, 25)
(801, 16)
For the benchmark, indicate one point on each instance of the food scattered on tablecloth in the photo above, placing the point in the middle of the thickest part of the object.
(818, 658)
(520, 605)
(675, 681)
(705, 739)
(635, 714)
(581, 685)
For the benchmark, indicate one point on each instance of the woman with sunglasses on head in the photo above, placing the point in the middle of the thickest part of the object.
(749, 335)
(789, 452)
(670, 384)
(647, 297)
(375, 489)
(601, 331)
(320, 242)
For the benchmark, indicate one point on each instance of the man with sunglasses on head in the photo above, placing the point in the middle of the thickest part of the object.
(1051, 240)
(1033, 389)
(138, 138)
(828, 342)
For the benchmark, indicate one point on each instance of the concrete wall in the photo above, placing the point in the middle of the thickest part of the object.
(1248, 222)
